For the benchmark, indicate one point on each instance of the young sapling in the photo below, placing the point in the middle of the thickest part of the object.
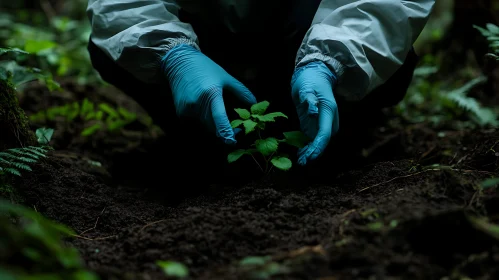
(254, 122)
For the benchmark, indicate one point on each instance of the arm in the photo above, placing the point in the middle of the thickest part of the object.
(136, 34)
(363, 42)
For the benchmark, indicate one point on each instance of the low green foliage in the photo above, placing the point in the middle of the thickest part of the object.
(33, 247)
(14, 161)
(58, 44)
(254, 122)
(13, 71)
(262, 267)
(489, 183)
(44, 135)
(491, 33)
(173, 269)
(431, 101)
(97, 117)
(484, 225)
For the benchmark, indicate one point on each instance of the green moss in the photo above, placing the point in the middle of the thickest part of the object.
(14, 124)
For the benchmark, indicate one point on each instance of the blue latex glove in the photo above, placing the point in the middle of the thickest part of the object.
(312, 92)
(198, 85)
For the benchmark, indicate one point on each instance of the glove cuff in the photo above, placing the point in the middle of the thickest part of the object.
(321, 66)
(334, 65)
(174, 42)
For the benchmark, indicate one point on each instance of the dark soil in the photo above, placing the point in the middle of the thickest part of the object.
(382, 216)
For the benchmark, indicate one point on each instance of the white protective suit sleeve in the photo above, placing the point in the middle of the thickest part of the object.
(136, 34)
(364, 42)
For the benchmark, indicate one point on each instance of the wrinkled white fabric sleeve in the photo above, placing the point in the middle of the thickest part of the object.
(136, 34)
(364, 42)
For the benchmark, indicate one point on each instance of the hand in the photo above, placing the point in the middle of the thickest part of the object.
(198, 84)
(312, 93)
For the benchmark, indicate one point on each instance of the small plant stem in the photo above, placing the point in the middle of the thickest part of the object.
(257, 163)
(267, 160)
(270, 170)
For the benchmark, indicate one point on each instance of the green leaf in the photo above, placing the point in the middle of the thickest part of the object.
(243, 113)
(14, 51)
(254, 260)
(127, 115)
(17, 74)
(249, 126)
(34, 46)
(236, 123)
(296, 139)
(109, 110)
(173, 269)
(270, 117)
(267, 146)
(483, 31)
(91, 129)
(51, 84)
(235, 155)
(282, 163)
(493, 28)
(376, 226)
(86, 109)
(99, 115)
(114, 125)
(425, 71)
(489, 183)
(73, 112)
(12, 171)
(484, 225)
(44, 135)
(259, 108)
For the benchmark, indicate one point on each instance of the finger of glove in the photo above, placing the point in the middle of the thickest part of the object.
(328, 122)
(237, 130)
(240, 91)
(221, 121)
(312, 102)
(308, 125)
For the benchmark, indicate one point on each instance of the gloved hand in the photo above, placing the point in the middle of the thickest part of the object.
(312, 92)
(198, 85)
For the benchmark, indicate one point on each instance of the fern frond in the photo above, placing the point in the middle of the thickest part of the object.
(26, 159)
(491, 33)
(485, 115)
(31, 151)
(6, 155)
(463, 90)
(12, 171)
(40, 149)
(21, 166)
(17, 159)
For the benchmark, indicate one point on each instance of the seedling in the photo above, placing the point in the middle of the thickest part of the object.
(254, 122)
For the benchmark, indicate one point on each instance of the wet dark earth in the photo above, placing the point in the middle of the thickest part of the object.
(405, 205)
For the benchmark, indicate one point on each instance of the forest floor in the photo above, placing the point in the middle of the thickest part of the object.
(384, 217)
